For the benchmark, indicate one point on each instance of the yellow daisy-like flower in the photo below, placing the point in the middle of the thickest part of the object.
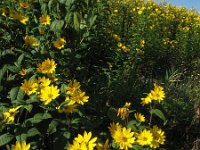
(47, 66)
(87, 139)
(44, 82)
(146, 100)
(139, 117)
(29, 87)
(124, 111)
(124, 137)
(24, 5)
(73, 86)
(145, 137)
(23, 72)
(49, 93)
(45, 20)
(77, 146)
(59, 43)
(104, 146)
(21, 18)
(114, 127)
(158, 137)
(31, 41)
(21, 146)
(157, 93)
(67, 109)
(9, 116)
(78, 97)
(116, 37)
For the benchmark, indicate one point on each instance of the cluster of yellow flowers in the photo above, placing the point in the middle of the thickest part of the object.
(119, 44)
(125, 137)
(75, 96)
(156, 94)
(42, 85)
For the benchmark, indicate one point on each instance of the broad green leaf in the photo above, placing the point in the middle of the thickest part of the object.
(159, 113)
(16, 94)
(57, 25)
(21, 137)
(33, 132)
(5, 138)
(52, 126)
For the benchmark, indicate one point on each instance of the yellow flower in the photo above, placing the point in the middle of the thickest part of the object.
(9, 116)
(45, 20)
(21, 146)
(59, 43)
(73, 86)
(21, 18)
(139, 117)
(124, 137)
(44, 82)
(114, 127)
(104, 146)
(158, 137)
(116, 37)
(3, 11)
(74, 93)
(30, 40)
(146, 100)
(157, 93)
(78, 97)
(24, 5)
(119, 44)
(123, 112)
(23, 72)
(29, 87)
(142, 42)
(145, 137)
(49, 93)
(67, 109)
(47, 66)
(77, 146)
(87, 140)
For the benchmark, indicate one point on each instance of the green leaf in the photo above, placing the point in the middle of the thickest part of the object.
(132, 124)
(57, 25)
(19, 61)
(28, 107)
(159, 113)
(21, 137)
(2, 72)
(67, 135)
(33, 132)
(52, 126)
(14, 69)
(16, 94)
(39, 117)
(5, 138)
(77, 20)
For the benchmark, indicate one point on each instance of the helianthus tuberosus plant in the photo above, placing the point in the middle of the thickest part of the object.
(76, 75)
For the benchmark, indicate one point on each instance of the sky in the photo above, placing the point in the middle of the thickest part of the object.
(186, 3)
